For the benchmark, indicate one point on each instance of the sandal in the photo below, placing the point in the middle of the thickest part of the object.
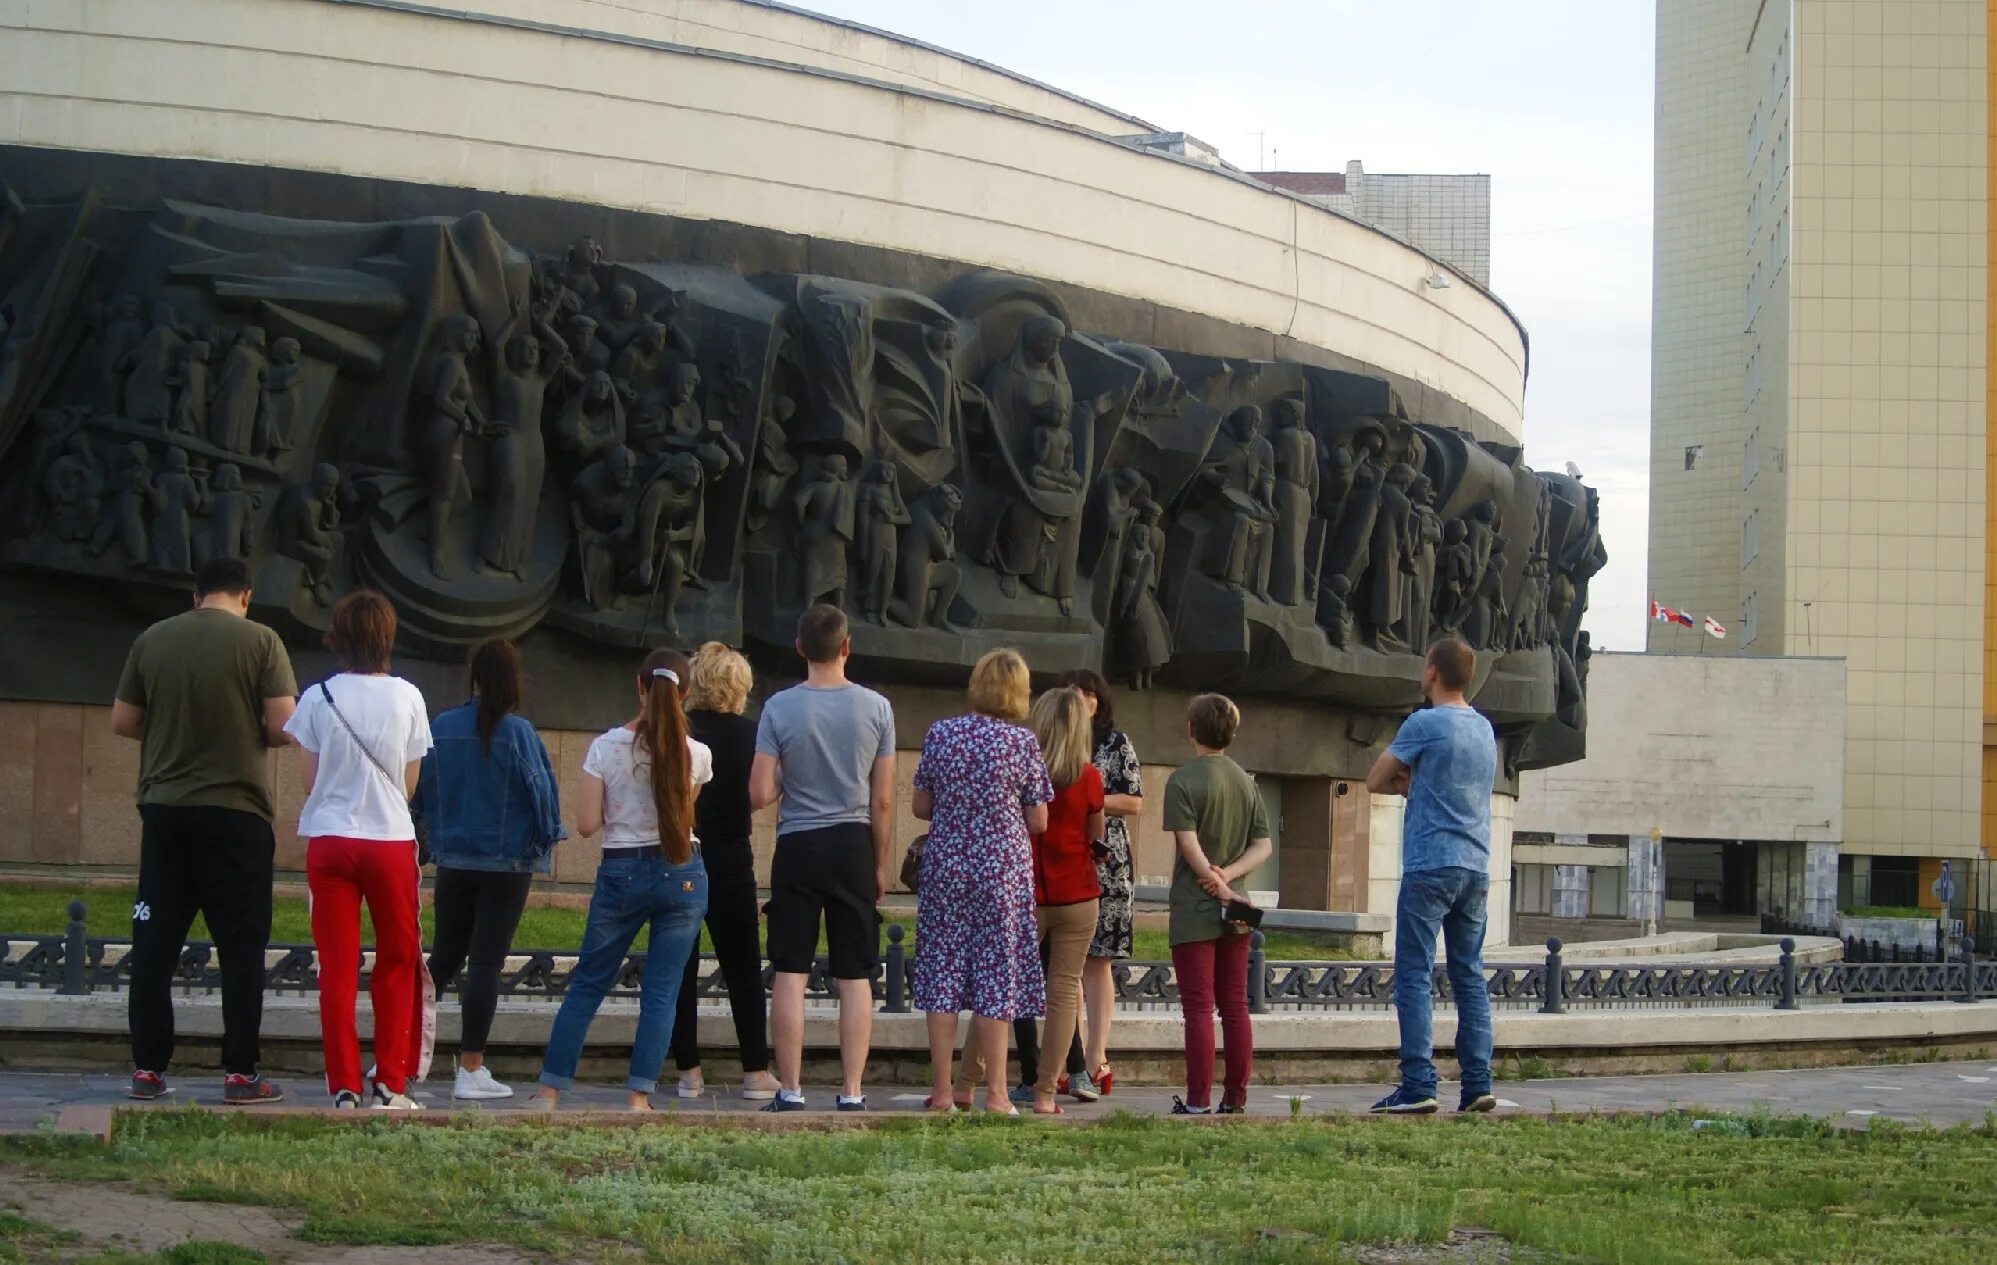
(1010, 1110)
(1056, 1110)
(948, 1109)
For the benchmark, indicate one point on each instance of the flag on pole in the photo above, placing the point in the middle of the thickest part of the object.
(1665, 615)
(1716, 628)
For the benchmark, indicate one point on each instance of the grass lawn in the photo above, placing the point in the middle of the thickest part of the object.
(1891, 911)
(31, 909)
(1651, 1191)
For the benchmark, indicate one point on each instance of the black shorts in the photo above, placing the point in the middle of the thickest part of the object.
(831, 871)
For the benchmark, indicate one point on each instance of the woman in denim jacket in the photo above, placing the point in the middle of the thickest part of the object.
(492, 816)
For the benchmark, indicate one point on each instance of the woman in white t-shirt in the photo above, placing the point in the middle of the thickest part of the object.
(364, 734)
(638, 786)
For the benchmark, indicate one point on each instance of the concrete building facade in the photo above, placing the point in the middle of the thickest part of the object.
(1818, 458)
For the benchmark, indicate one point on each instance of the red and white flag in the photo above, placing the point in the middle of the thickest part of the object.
(1716, 628)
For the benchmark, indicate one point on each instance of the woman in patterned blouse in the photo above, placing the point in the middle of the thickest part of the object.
(1123, 800)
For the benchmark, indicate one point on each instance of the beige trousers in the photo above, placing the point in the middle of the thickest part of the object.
(1065, 933)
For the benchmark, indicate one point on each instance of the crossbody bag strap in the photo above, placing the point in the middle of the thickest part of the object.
(366, 750)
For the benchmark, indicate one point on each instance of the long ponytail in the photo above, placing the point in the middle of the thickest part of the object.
(662, 738)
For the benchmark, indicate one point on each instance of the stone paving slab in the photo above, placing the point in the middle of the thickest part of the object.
(1936, 1094)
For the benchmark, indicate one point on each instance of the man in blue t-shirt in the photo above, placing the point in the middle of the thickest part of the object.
(1445, 760)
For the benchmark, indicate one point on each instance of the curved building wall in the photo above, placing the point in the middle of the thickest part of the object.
(491, 103)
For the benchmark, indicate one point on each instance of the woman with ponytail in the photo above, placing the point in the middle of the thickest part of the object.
(638, 788)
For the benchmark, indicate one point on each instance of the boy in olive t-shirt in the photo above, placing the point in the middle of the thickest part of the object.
(1221, 830)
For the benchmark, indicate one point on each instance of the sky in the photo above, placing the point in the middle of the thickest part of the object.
(1551, 98)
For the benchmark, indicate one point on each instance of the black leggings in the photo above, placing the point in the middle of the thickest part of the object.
(477, 913)
(735, 928)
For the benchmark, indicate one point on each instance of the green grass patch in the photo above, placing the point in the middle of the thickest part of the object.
(23, 1239)
(37, 910)
(1892, 911)
(1637, 1190)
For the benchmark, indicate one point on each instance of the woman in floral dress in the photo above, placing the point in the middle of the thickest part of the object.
(983, 790)
(1123, 800)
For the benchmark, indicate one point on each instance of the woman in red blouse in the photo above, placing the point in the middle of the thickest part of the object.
(1065, 886)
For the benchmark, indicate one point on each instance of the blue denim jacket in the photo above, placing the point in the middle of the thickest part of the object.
(498, 812)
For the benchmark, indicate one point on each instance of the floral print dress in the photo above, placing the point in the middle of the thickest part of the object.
(1116, 760)
(976, 947)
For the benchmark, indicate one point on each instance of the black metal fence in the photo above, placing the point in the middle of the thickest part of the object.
(75, 964)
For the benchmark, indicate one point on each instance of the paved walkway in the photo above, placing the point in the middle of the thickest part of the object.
(1938, 1094)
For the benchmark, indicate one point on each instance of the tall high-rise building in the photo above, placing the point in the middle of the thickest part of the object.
(1447, 216)
(1819, 472)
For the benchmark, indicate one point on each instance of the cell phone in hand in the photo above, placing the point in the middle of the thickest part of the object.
(1242, 912)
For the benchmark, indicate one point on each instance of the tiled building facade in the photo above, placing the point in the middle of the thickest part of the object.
(1448, 217)
(1819, 469)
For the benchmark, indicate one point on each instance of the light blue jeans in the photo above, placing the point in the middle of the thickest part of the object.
(633, 891)
(1450, 901)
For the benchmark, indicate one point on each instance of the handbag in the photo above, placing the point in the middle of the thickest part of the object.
(422, 844)
(911, 861)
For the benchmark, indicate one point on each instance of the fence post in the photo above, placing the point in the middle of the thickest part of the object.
(1788, 1001)
(75, 954)
(897, 995)
(1258, 975)
(1554, 1001)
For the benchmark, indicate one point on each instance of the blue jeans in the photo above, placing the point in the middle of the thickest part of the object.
(1450, 901)
(633, 891)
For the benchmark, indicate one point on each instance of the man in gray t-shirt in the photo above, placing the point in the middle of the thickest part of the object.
(825, 757)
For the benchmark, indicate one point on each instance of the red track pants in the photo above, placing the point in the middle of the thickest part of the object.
(341, 874)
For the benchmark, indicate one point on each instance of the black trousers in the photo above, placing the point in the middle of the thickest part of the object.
(1026, 1035)
(215, 862)
(477, 913)
(733, 925)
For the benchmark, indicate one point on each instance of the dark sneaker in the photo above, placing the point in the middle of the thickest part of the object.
(1236, 1109)
(1021, 1094)
(1179, 1108)
(248, 1091)
(852, 1104)
(1080, 1088)
(1402, 1102)
(346, 1100)
(781, 1103)
(1477, 1100)
(146, 1086)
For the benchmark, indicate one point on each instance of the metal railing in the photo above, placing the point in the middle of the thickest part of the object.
(73, 963)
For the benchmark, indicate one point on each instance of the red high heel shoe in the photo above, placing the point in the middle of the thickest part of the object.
(1105, 1079)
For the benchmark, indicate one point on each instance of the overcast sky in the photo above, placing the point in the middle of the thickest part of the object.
(1552, 98)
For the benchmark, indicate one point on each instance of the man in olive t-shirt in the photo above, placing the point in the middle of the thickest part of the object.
(206, 695)
(1221, 830)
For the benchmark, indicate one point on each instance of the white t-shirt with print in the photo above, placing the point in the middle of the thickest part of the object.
(350, 798)
(629, 819)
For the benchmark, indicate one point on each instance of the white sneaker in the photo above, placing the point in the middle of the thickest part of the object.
(477, 1085)
(759, 1087)
(693, 1084)
(385, 1099)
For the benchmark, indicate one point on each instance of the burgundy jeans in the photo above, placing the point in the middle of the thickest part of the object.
(1214, 974)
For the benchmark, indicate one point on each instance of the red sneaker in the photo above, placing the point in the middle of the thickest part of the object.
(248, 1091)
(146, 1086)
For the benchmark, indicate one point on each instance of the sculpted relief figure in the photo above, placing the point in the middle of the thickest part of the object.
(774, 464)
(666, 534)
(307, 525)
(881, 513)
(1424, 545)
(517, 456)
(74, 491)
(591, 419)
(1028, 394)
(232, 421)
(1350, 550)
(193, 392)
(176, 499)
(149, 393)
(1297, 488)
(122, 333)
(617, 321)
(929, 576)
(132, 503)
(1244, 479)
(1143, 642)
(1391, 563)
(284, 398)
(704, 437)
(599, 506)
(643, 359)
(824, 508)
(227, 533)
(453, 415)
